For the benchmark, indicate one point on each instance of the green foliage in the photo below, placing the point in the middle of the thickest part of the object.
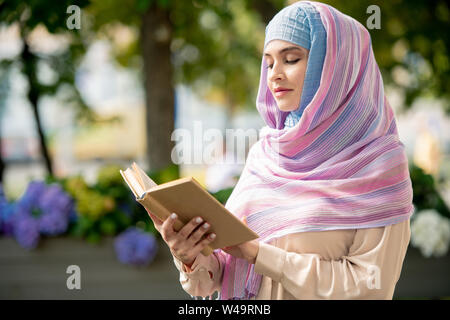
(217, 50)
(425, 194)
(53, 17)
(167, 174)
(99, 207)
(52, 14)
(411, 39)
(107, 207)
(217, 45)
(223, 195)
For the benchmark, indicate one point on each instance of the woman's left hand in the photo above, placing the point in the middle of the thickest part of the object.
(247, 250)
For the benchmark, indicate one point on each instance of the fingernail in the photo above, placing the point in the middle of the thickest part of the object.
(206, 226)
(198, 220)
(212, 235)
(173, 216)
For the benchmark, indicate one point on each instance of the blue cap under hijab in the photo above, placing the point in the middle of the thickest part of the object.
(300, 24)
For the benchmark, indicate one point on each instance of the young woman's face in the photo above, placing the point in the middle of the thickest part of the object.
(286, 63)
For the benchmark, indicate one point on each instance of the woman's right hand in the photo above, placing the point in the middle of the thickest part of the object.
(187, 243)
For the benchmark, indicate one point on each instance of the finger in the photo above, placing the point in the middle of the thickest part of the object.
(167, 227)
(244, 220)
(198, 234)
(154, 218)
(156, 221)
(187, 229)
(203, 243)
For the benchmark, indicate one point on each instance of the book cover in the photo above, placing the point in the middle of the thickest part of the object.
(188, 199)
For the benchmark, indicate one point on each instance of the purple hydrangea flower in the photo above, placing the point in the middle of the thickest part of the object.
(3, 206)
(6, 213)
(26, 230)
(54, 199)
(56, 207)
(136, 247)
(6, 210)
(43, 208)
(31, 196)
(53, 223)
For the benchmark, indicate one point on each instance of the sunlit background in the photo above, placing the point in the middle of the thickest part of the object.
(115, 89)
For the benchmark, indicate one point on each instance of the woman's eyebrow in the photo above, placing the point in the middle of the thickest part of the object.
(283, 50)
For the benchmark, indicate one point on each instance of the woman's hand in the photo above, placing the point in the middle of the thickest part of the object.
(187, 243)
(247, 250)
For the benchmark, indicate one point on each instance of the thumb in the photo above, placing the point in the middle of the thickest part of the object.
(244, 220)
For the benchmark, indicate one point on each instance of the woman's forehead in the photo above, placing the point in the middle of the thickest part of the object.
(280, 46)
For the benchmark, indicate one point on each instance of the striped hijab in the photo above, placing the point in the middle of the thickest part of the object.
(341, 166)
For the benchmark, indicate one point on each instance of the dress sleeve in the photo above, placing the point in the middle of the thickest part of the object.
(369, 271)
(204, 277)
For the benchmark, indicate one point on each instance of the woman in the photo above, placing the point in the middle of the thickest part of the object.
(326, 187)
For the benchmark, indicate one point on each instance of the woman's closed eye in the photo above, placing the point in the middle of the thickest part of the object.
(287, 61)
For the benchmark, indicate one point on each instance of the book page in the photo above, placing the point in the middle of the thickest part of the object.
(132, 182)
(145, 180)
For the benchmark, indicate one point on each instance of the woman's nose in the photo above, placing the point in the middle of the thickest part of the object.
(276, 73)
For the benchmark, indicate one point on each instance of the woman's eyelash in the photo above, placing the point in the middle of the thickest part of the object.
(290, 62)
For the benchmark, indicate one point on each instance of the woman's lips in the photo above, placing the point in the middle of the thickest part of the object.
(282, 93)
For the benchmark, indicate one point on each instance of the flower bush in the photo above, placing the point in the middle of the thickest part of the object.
(71, 206)
(136, 247)
(430, 224)
(430, 232)
(42, 210)
(6, 211)
(425, 193)
(107, 208)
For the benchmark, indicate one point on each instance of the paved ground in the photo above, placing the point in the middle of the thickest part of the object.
(41, 274)
(424, 277)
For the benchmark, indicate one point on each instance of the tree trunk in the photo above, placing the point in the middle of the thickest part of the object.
(29, 61)
(230, 111)
(156, 35)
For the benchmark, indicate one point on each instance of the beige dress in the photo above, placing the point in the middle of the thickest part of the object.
(340, 264)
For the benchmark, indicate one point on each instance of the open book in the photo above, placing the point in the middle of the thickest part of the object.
(188, 199)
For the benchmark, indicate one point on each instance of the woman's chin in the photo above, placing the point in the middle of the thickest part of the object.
(286, 108)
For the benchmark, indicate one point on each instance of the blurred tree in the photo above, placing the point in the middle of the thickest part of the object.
(4, 88)
(425, 192)
(53, 17)
(215, 47)
(411, 47)
(212, 45)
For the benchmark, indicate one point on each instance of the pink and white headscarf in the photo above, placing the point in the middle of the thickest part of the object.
(342, 166)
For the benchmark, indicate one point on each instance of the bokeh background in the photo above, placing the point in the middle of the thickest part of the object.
(87, 87)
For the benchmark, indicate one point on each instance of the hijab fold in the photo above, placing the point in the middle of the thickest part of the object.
(340, 166)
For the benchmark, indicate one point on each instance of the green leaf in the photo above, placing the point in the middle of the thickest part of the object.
(143, 5)
(93, 237)
(223, 195)
(167, 174)
(163, 3)
(108, 227)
